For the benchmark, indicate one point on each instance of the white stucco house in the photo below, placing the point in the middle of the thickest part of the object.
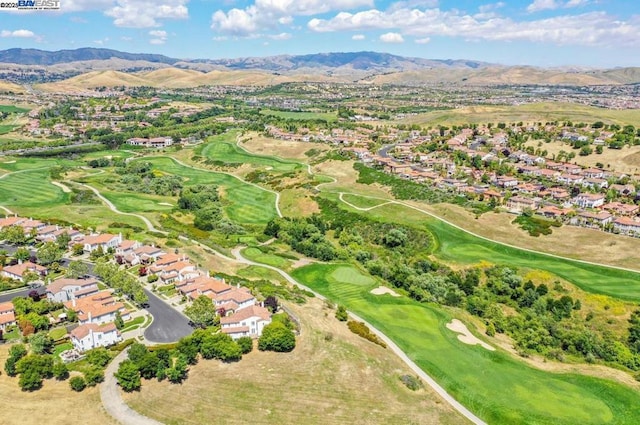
(89, 336)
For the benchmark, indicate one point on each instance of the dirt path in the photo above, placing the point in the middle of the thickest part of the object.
(113, 402)
(64, 188)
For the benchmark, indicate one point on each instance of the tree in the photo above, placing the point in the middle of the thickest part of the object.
(22, 254)
(137, 352)
(48, 253)
(119, 322)
(245, 343)
(139, 296)
(128, 376)
(60, 371)
(341, 314)
(41, 343)
(634, 331)
(276, 337)
(202, 311)
(94, 376)
(63, 241)
(77, 383)
(77, 249)
(77, 269)
(394, 238)
(220, 346)
(271, 303)
(13, 235)
(30, 380)
(178, 373)
(148, 366)
(98, 357)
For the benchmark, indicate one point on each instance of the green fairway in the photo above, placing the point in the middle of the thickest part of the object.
(139, 202)
(107, 154)
(244, 203)
(31, 188)
(7, 128)
(11, 109)
(495, 386)
(255, 254)
(222, 149)
(457, 246)
(291, 115)
(362, 202)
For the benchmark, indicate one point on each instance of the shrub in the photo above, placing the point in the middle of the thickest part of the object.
(412, 382)
(60, 371)
(77, 383)
(341, 314)
(99, 357)
(361, 329)
(94, 376)
(246, 344)
(276, 337)
(128, 376)
(30, 380)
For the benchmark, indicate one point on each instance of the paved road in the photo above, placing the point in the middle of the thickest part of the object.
(169, 325)
(9, 295)
(112, 401)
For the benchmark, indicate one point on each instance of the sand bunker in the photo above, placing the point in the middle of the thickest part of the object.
(9, 162)
(165, 204)
(64, 188)
(466, 336)
(381, 290)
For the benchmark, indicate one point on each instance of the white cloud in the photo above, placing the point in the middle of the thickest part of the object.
(422, 40)
(123, 38)
(17, 34)
(146, 13)
(539, 5)
(392, 37)
(281, 36)
(267, 14)
(101, 42)
(358, 37)
(160, 36)
(588, 29)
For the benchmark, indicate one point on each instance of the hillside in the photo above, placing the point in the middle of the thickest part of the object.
(43, 57)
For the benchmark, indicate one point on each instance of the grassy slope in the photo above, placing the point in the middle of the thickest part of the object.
(246, 203)
(457, 246)
(223, 148)
(343, 379)
(327, 116)
(533, 112)
(494, 385)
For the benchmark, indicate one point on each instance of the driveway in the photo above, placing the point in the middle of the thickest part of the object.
(168, 324)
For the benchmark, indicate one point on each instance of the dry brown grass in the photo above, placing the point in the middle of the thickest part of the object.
(567, 241)
(261, 145)
(625, 160)
(55, 403)
(343, 379)
(298, 203)
(6, 86)
(346, 177)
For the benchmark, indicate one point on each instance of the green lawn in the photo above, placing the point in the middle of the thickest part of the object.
(107, 153)
(7, 128)
(459, 247)
(57, 333)
(12, 109)
(494, 385)
(255, 254)
(30, 189)
(327, 116)
(133, 324)
(139, 202)
(62, 347)
(244, 203)
(362, 202)
(223, 148)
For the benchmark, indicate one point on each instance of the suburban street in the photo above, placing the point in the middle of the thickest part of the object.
(168, 324)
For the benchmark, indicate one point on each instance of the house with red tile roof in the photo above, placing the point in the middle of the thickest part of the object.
(90, 335)
(7, 315)
(96, 241)
(98, 308)
(249, 321)
(65, 289)
(18, 271)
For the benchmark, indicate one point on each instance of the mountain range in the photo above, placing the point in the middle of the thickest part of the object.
(92, 66)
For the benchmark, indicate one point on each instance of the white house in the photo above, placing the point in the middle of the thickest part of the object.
(62, 290)
(589, 200)
(240, 298)
(89, 336)
(247, 322)
(7, 315)
(18, 271)
(104, 241)
(627, 226)
(98, 308)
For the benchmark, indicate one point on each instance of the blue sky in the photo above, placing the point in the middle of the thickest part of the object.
(595, 33)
